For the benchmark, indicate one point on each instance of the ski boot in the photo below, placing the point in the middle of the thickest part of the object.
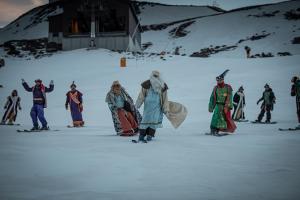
(142, 138)
(149, 138)
(45, 128)
(214, 131)
(35, 128)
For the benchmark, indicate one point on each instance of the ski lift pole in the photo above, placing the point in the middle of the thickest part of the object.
(133, 35)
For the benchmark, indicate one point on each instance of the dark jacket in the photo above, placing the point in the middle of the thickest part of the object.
(39, 93)
(69, 99)
(236, 99)
(295, 91)
(268, 98)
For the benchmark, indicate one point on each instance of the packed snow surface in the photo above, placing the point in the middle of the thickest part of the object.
(257, 162)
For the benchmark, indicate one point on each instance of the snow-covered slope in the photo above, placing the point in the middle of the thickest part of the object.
(31, 25)
(171, 29)
(90, 163)
(152, 13)
(34, 24)
(233, 29)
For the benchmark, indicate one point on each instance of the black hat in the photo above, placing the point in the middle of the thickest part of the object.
(241, 88)
(267, 85)
(15, 91)
(38, 81)
(294, 79)
(221, 77)
(73, 84)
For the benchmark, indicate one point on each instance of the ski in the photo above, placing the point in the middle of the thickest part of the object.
(217, 135)
(255, 122)
(35, 131)
(242, 121)
(69, 126)
(289, 129)
(10, 124)
(136, 141)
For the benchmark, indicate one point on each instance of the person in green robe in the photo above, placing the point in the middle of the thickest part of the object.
(220, 104)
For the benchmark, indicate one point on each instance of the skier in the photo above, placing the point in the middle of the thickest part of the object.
(248, 51)
(39, 102)
(239, 104)
(74, 99)
(2, 62)
(154, 96)
(12, 105)
(126, 117)
(221, 103)
(268, 99)
(295, 91)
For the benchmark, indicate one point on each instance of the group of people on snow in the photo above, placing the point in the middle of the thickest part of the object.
(126, 117)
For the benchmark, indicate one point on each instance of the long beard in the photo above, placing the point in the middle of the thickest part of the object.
(157, 84)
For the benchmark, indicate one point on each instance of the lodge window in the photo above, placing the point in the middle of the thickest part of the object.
(109, 21)
(80, 24)
(55, 25)
(109, 17)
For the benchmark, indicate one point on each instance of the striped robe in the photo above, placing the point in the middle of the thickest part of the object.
(12, 104)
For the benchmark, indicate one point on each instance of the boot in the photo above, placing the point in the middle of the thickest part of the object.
(142, 137)
(35, 128)
(214, 131)
(149, 138)
(45, 128)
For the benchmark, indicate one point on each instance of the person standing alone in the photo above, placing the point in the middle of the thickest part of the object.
(39, 103)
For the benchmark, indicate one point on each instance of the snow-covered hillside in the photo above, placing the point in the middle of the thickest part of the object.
(264, 29)
(153, 13)
(258, 162)
(194, 30)
(31, 25)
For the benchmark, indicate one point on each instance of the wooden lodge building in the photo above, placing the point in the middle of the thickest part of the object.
(109, 24)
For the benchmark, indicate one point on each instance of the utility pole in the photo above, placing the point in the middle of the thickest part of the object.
(93, 26)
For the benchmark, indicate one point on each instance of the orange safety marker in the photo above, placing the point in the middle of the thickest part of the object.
(123, 62)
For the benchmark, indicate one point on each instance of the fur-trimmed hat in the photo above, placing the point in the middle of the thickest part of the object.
(38, 81)
(115, 83)
(155, 73)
